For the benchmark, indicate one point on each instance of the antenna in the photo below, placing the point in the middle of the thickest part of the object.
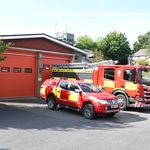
(56, 25)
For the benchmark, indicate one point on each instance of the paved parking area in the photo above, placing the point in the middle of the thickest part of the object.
(31, 126)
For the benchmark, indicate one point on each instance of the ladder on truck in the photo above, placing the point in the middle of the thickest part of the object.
(83, 65)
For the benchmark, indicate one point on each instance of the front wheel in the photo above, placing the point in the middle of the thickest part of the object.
(123, 100)
(51, 103)
(88, 111)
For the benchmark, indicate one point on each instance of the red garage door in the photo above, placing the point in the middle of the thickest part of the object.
(47, 62)
(17, 75)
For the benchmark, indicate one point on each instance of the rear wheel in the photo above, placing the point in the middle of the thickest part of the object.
(51, 103)
(123, 100)
(88, 111)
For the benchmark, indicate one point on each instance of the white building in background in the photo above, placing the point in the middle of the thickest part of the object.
(142, 54)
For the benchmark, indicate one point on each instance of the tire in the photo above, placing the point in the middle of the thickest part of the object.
(51, 103)
(88, 111)
(123, 100)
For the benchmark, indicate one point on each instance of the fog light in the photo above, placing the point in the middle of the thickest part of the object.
(139, 99)
(106, 108)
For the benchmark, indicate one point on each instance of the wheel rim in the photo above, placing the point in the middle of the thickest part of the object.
(50, 104)
(87, 112)
(122, 101)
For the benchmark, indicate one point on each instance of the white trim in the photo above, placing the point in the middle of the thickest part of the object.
(55, 58)
(42, 36)
(42, 51)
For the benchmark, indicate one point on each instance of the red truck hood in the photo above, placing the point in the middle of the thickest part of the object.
(101, 95)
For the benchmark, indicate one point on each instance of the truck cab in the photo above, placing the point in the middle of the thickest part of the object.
(129, 83)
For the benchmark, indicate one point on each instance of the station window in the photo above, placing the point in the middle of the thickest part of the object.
(5, 69)
(16, 70)
(28, 70)
(109, 73)
(46, 66)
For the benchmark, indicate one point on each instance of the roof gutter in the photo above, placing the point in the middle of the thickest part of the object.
(42, 51)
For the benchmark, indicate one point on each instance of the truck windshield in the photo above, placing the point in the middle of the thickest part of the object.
(144, 76)
(89, 88)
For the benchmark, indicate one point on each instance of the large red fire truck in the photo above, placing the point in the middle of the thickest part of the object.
(131, 84)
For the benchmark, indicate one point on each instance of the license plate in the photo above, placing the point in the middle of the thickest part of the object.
(114, 106)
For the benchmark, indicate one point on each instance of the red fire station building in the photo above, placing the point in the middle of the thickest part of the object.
(29, 61)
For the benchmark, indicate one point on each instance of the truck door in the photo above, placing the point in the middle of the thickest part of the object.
(74, 97)
(129, 79)
(63, 92)
(109, 79)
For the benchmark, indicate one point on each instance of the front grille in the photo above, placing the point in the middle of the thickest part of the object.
(146, 94)
(112, 102)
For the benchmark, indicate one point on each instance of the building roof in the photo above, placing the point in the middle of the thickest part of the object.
(41, 35)
(141, 52)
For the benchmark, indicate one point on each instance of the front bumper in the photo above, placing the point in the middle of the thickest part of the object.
(107, 108)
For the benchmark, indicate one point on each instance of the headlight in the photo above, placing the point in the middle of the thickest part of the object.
(102, 101)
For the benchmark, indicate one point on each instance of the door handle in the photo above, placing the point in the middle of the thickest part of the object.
(122, 86)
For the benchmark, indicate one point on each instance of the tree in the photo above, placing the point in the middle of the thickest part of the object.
(115, 46)
(143, 42)
(84, 42)
(3, 47)
(98, 56)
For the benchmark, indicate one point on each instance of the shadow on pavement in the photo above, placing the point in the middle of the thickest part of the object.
(40, 118)
(139, 110)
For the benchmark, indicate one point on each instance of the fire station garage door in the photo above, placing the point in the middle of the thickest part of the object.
(17, 76)
(47, 65)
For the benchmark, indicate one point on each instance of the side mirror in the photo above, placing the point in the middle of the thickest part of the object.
(102, 88)
(77, 90)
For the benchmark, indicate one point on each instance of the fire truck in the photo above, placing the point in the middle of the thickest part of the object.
(131, 84)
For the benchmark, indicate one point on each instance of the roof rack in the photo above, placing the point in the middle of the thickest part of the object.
(73, 66)
(83, 65)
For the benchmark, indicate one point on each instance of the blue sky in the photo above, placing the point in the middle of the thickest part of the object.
(95, 18)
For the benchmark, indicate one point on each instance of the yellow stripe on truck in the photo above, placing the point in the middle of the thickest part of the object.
(73, 96)
(42, 90)
(71, 78)
(57, 91)
(130, 86)
(88, 80)
(110, 84)
(72, 70)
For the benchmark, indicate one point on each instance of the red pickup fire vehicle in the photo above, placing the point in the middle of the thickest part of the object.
(79, 95)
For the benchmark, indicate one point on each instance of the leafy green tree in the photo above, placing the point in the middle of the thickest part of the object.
(115, 46)
(98, 55)
(84, 42)
(142, 62)
(143, 42)
(3, 47)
